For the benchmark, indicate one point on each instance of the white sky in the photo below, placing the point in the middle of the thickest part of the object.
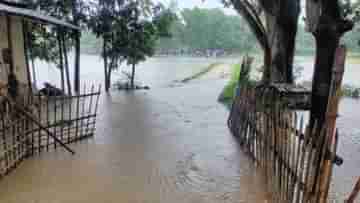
(201, 4)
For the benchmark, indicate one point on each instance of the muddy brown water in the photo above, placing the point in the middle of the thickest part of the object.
(169, 144)
(163, 145)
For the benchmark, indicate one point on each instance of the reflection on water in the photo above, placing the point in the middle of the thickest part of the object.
(169, 144)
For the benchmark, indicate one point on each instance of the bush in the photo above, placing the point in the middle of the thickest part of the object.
(228, 93)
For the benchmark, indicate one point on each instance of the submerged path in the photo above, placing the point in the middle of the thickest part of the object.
(169, 144)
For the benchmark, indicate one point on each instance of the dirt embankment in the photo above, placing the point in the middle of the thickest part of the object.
(213, 71)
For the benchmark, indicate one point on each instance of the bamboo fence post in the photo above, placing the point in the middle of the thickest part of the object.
(5, 144)
(70, 119)
(83, 113)
(62, 122)
(77, 115)
(302, 190)
(55, 119)
(89, 111)
(66, 63)
(293, 150)
(311, 155)
(47, 120)
(96, 109)
(39, 115)
(331, 115)
(355, 193)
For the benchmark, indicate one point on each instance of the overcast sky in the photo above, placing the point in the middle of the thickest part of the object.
(201, 4)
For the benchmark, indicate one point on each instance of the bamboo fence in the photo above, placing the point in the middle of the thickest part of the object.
(280, 142)
(35, 123)
(297, 158)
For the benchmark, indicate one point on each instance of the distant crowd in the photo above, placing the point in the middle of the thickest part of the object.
(193, 52)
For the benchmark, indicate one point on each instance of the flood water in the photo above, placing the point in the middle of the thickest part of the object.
(169, 144)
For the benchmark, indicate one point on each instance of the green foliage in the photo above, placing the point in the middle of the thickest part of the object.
(90, 44)
(201, 72)
(208, 29)
(43, 39)
(211, 28)
(128, 29)
(229, 90)
(350, 91)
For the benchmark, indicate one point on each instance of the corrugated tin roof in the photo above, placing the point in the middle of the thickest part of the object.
(35, 15)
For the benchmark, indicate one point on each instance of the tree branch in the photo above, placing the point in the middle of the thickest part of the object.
(248, 11)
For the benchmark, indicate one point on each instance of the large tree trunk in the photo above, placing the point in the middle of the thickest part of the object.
(281, 23)
(326, 44)
(277, 38)
(327, 26)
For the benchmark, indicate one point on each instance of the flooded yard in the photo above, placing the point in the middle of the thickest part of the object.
(168, 144)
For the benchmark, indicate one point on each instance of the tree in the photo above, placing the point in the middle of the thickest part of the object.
(203, 29)
(48, 43)
(129, 30)
(276, 34)
(142, 35)
(327, 21)
(107, 22)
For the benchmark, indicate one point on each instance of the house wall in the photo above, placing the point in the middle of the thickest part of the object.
(18, 49)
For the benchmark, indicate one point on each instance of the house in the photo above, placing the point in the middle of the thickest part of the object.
(14, 20)
(34, 123)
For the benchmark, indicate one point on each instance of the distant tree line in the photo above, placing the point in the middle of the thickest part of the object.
(204, 32)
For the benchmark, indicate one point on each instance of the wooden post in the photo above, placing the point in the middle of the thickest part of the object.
(26, 42)
(31, 56)
(331, 115)
(61, 62)
(12, 81)
(10, 46)
(354, 193)
(77, 62)
(77, 35)
(64, 47)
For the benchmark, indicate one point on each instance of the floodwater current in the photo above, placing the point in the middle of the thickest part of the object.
(169, 144)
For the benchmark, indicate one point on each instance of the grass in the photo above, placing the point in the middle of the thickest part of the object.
(228, 93)
(201, 73)
(353, 59)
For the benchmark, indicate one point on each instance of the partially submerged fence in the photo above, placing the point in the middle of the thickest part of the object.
(279, 141)
(36, 123)
(296, 157)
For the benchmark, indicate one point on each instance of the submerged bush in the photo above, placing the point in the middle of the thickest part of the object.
(350, 91)
(228, 93)
(240, 74)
